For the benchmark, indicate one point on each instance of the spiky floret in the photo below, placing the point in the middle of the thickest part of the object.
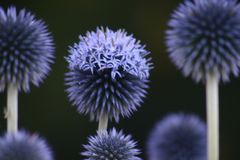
(108, 74)
(204, 38)
(111, 145)
(26, 49)
(23, 146)
(178, 137)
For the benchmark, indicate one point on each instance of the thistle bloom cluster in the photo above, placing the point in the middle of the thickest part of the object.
(111, 145)
(26, 49)
(23, 146)
(108, 74)
(178, 137)
(204, 38)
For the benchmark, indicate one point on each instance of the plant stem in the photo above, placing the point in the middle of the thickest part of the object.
(103, 122)
(12, 108)
(212, 117)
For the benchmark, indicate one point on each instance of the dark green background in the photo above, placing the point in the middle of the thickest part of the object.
(48, 111)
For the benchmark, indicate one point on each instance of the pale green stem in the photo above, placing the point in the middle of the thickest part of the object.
(12, 108)
(103, 122)
(212, 117)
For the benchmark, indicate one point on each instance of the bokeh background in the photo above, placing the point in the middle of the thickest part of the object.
(47, 110)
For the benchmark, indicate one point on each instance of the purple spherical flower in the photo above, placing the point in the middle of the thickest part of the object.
(23, 146)
(111, 145)
(26, 49)
(178, 137)
(204, 38)
(108, 74)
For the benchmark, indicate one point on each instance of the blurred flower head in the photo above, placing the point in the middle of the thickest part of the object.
(108, 74)
(111, 145)
(23, 146)
(204, 38)
(26, 49)
(178, 137)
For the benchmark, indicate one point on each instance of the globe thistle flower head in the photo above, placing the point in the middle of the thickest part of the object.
(26, 49)
(108, 74)
(178, 137)
(111, 145)
(22, 146)
(204, 38)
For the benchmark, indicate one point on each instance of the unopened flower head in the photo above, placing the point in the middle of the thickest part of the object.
(108, 73)
(178, 137)
(204, 38)
(23, 146)
(26, 49)
(111, 145)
